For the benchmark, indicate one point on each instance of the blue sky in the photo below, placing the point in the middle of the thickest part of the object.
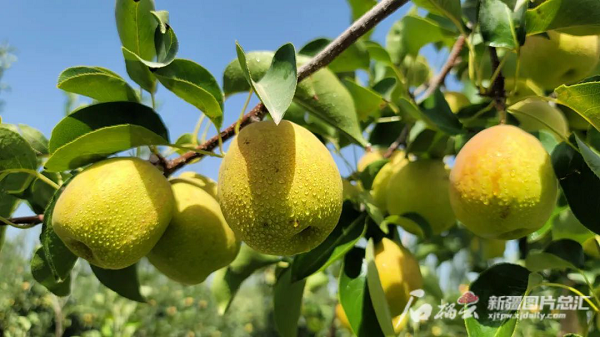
(50, 36)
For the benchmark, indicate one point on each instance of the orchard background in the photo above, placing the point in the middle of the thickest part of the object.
(390, 89)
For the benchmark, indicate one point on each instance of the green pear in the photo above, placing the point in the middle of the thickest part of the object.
(536, 114)
(205, 183)
(576, 121)
(279, 188)
(198, 241)
(559, 58)
(421, 187)
(456, 100)
(114, 212)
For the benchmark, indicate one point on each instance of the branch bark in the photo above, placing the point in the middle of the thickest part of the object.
(361, 26)
(26, 220)
(440, 78)
(497, 89)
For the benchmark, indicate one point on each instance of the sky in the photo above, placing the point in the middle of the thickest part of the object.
(50, 36)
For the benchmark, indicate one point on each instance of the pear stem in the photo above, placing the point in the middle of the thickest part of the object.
(27, 221)
(359, 28)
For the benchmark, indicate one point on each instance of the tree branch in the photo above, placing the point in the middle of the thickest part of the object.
(401, 140)
(361, 26)
(440, 78)
(497, 89)
(31, 220)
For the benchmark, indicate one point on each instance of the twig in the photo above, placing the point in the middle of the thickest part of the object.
(401, 140)
(322, 59)
(497, 90)
(450, 63)
(31, 220)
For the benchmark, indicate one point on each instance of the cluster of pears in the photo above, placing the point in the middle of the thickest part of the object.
(501, 186)
(399, 274)
(119, 210)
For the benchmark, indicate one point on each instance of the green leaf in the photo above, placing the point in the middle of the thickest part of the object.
(353, 58)
(42, 274)
(573, 173)
(35, 138)
(370, 172)
(541, 261)
(53, 262)
(590, 155)
(138, 71)
(448, 8)
(583, 98)
(287, 302)
(39, 193)
(165, 41)
(195, 85)
(359, 8)
(502, 279)
(474, 329)
(344, 236)
(277, 86)
(123, 281)
(99, 144)
(497, 24)
(15, 151)
(567, 250)
(136, 26)
(97, 116)
(366, 101)
(98, 83)
(579, 17)
(438, 111)
(408, 35)
(228, 280)
(378, 299)
(322, 94)
(354, 296)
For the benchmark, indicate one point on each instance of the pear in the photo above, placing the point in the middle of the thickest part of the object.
(502, 185)
(421, 187)
(536, 114)
(279, 188)
(456, 100)
(559, 58)
(114, 212)
(198, 241)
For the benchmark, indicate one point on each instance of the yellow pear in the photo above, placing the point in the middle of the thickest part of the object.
(369, 158)
(536, 114)
(399, 274)
(279, 188)
(342, 317)
(198, 241)
(502, 185)
(456, 100)
(379, 188)
(205, 183)
(489, 248)
(559, 58)
(114, 212)
(421, 187)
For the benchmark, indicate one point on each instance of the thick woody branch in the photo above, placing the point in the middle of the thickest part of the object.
(497, 89)
(440, 78)
(359, 28)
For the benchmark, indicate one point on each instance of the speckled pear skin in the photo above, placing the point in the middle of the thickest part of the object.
(198, 241)
(279, 188)
(114, 212)
(502, 185)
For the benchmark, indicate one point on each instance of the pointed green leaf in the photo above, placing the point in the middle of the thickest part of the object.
(93, 117)
(35, 138)
(578, 17)
(15, 151)
(96, 82)
(366, 101)
(136, 26)
(590, 155)
(138, 71)
(408, 35)
(42, 274)
(354, 295)
(277, 86)
(123, 281)
(583, 98)
(228, 280)
(497, 24)
(195, 85)
(353, 58)
(474, 329)
(573, 173)
(287, 302)
(380, 305)
(343, 237)
(99, 144)
(448, 8)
